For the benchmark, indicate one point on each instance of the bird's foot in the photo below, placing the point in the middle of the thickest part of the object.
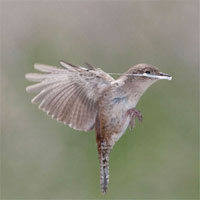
(133, 113)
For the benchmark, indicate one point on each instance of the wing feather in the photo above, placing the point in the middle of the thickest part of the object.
(44, 68)
(80, 116)
(55, 99)
(65, 104)
(55, 92)
(69, 94)
(75, 112)
(60, 102)
(66, 114)
(42, 95)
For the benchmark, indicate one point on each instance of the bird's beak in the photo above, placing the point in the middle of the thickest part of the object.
(160, 76)
(164, 76)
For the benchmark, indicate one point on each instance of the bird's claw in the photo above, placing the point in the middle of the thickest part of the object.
(133, 113)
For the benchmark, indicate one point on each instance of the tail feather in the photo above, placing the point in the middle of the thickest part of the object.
(104, 152)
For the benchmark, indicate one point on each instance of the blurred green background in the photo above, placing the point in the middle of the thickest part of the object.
(41, 158)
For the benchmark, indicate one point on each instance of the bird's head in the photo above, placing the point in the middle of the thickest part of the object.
(140, 77)
(146, 72)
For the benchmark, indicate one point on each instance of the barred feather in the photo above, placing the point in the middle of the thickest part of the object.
(104, 151)
(69, 94)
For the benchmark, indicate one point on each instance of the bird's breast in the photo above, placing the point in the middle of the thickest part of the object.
(113, 115)
(116, 135)
(114, 122)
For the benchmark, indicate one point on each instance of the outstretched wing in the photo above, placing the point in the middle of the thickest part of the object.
(69, 94)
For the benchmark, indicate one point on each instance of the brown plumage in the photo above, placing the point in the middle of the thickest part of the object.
(90, 98)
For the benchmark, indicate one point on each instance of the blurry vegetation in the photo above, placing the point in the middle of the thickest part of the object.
(44, 159)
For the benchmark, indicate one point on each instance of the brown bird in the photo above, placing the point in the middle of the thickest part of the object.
(87, 99)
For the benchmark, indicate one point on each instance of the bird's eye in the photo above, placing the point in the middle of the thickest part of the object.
(148, 72)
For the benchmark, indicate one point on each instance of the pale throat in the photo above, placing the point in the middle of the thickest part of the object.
(136, 89)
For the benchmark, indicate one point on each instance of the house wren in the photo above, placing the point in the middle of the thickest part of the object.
(87, 99)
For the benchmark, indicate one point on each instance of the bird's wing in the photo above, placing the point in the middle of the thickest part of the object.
(69, 94)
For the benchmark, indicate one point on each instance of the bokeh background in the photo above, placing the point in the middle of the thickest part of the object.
(41, 158)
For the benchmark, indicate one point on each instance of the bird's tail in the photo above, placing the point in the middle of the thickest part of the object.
(104, 152)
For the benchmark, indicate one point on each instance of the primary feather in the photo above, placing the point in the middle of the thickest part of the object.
(69, 94)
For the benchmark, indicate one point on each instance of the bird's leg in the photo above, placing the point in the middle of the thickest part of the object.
(133, 113)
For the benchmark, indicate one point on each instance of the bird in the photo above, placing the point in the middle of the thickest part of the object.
(87, 98)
